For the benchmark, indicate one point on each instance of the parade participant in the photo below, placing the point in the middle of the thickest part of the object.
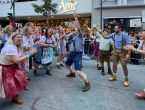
(47, 43)
(86, 35)
(134, 57)
(36, 59)
(96, 47)
(12, 79)
(104, 51)
(61, 46)
(75, 56)
(141, 50)
(120, 53)
(61, 49)
(30, 24)
(5, 35)
(36, 34)
(27, 43)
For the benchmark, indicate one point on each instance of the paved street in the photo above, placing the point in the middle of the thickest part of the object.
(61, 93)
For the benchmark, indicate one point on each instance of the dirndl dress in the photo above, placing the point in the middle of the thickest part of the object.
(12, 79)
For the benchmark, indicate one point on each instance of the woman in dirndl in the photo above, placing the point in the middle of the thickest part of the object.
(27, 44)
(61, 47)
(37, 37)
(12, 79)
(96, 47)
(47, 44)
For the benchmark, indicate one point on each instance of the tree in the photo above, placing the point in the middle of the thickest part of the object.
(46, 8)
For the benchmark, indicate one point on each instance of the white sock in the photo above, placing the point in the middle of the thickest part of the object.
(58, 63)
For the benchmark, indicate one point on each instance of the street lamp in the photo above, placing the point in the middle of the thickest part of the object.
(13, 6)
(101, 13)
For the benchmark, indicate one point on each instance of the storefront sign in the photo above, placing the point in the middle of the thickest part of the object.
(66, 6)
(135, 23)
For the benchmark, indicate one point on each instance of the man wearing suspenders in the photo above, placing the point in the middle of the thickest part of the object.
(120, 53)
(75, 56)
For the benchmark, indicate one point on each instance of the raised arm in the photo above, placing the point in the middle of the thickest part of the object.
(77, 21)
(69, 35)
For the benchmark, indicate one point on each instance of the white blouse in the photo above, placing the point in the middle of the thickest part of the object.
(7, 51)
(10, 50)
(27, 41)
(141, 45)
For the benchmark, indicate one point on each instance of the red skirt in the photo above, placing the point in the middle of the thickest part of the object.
(13, 80)
(96, 50)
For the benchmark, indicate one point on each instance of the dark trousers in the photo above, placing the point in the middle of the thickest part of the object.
(105, 56)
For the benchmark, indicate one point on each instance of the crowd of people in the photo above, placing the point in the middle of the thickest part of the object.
(30, 47)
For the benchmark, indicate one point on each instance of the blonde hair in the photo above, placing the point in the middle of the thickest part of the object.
(28, 24)
(24, 30)
(11, 41)
(13, 35)
(8, 27)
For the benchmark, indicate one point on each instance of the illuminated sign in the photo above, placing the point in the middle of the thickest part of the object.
(66, 6)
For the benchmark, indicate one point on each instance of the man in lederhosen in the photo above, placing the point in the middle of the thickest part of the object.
(120, 53)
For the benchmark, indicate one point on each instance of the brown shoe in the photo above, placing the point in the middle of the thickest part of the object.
(17, 100)
(71, 75)
(48, 72)
(35, 73)
(112, 77)
(141, 95)
(86, 87)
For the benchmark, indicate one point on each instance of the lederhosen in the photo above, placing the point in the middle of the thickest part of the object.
(120, 54)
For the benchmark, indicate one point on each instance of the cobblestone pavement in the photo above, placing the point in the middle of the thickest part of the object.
(61, 93)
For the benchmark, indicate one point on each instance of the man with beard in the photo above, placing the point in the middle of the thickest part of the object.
(120, 53)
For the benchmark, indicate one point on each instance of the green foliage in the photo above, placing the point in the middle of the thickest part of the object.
(46, 8)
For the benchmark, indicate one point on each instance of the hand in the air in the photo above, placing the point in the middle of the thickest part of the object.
(75, 15)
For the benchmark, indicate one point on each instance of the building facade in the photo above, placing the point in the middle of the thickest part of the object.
(129, 13)
(24, 12)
